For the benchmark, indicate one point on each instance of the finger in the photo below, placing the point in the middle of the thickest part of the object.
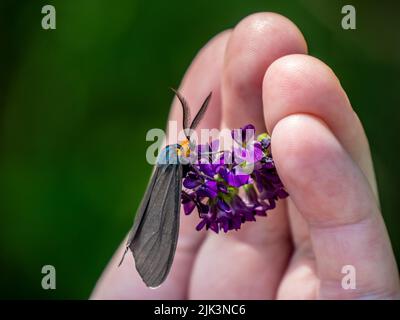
(254, 258)
(335, 198)
(202, 77)
(302, 84)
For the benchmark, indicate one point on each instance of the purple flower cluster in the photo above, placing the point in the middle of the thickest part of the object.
(231, 187)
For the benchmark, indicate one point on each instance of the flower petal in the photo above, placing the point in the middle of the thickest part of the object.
(201, 224)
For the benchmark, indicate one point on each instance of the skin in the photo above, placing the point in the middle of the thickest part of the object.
(260, 73)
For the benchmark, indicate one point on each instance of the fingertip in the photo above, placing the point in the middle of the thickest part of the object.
(255, 43)
(300, 83)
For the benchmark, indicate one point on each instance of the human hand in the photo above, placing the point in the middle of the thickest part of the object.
(260, 73)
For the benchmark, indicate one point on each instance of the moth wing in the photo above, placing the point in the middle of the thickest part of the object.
(143, 204)
(155, 232)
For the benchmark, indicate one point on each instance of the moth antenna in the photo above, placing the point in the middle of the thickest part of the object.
(201, 113)
(185, 110)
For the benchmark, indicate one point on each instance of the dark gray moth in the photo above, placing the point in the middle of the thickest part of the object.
(155, 230)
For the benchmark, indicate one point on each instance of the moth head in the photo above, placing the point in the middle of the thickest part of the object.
(183, 149)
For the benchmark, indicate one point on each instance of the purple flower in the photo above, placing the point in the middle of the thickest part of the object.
(191, 201)
(243, 135)
(265, 143)
(208, 220)
(246, 158)
(233, 179)
(192, 180)
(268, 183)
(228, 194)
(252, 153)
(208, 189)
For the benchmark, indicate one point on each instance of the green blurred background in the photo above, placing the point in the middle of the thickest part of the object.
(76, 103)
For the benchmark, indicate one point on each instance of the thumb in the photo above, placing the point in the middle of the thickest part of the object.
(331, 192)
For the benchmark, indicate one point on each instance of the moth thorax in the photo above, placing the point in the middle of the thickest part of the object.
(184, 148)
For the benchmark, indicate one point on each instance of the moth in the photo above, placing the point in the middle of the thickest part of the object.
(155, 230)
